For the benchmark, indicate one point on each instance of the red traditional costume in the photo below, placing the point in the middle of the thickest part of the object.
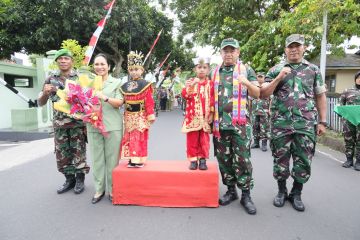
(139, 112)
(199, 108)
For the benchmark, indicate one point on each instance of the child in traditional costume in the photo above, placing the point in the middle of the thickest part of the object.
(199, 96)
(139, 113)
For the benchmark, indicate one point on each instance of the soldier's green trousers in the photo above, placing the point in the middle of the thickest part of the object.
(352, 139)
(70, 150)
(105, 156)
(261, 126)
(232, 151)
(301, 147)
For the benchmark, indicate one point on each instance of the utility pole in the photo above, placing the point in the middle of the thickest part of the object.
(323, 46)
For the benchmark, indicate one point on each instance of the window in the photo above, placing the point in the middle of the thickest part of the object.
(19, 81)
(330, 81)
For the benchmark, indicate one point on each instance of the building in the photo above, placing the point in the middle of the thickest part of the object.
(15, 112)
(340, 71)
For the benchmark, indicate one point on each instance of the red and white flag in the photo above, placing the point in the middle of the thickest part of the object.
(152, 47)
(162, 63)
(95, 37)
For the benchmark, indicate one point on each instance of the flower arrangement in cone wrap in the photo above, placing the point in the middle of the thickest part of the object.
(79, 100)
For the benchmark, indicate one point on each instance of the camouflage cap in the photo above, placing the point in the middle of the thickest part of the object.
(230, 42)
(298, 38)
(63, 52)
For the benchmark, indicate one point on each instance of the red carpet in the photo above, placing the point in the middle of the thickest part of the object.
(166, 184)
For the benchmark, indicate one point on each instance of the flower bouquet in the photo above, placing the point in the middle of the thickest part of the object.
(79, 100)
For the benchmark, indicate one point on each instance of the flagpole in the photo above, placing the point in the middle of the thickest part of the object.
(96, 35)
(152, 46)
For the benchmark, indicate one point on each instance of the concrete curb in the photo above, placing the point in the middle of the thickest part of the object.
(332, 142)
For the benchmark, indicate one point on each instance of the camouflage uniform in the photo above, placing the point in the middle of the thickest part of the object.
(293, 119)
(232, 149)
(70, 135)
(260, 117)
(351, 96)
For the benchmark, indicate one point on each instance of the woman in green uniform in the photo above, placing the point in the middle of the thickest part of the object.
(105, 150)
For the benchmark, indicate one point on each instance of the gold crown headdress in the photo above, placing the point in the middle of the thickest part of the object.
(135, 59)
(201, 60)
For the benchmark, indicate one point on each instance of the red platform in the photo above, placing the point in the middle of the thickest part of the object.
(166, 184)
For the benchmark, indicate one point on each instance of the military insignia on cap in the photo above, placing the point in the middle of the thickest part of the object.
(201, 60)
(135, 59)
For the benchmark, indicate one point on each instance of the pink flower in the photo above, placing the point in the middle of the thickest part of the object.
(83, 102)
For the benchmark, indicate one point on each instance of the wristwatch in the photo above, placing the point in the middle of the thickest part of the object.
(106, 99)
(323, 123)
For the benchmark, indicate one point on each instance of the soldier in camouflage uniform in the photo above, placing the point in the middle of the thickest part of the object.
(232, 144)
(351, 96)
(298, 101)
(70, 138)
(260, 115)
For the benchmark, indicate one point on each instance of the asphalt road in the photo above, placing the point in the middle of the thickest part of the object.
(30, 208)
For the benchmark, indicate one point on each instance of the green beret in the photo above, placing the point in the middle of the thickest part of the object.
(63, 52)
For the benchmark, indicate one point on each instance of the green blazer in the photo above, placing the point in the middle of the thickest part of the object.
(112, 117)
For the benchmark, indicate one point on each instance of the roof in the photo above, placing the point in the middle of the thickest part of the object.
(349, 61)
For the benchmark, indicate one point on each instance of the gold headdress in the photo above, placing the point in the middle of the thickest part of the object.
(201, 60)
(135, 59)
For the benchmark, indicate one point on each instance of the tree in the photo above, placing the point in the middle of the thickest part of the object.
(262, 26)
(37, 26)
(76, 49)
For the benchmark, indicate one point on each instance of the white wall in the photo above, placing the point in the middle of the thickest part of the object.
(10, 100)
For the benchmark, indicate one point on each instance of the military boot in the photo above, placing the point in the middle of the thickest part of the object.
(230, 195)
(255, 144)
(357, 164)
(282, 195)
(247, 203)
(264, 145)
(295, 197)
(69, 184)
(79, 186)
(349, 162)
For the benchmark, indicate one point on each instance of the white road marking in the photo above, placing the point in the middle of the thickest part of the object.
(330, 156)
(25, 152)
(9, 144)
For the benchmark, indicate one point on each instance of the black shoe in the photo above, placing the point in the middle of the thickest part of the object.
(131, 165)
(264, 145)
(230, 195)
(357, 165)
(193, 165)
(296, 202)
(348, 163)
(280, 198)
(255, 144)
(247, 203)
(202, 164)
(110, 198)
(97, 199)
(139, 165)
(68, 185)
(79, 185)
